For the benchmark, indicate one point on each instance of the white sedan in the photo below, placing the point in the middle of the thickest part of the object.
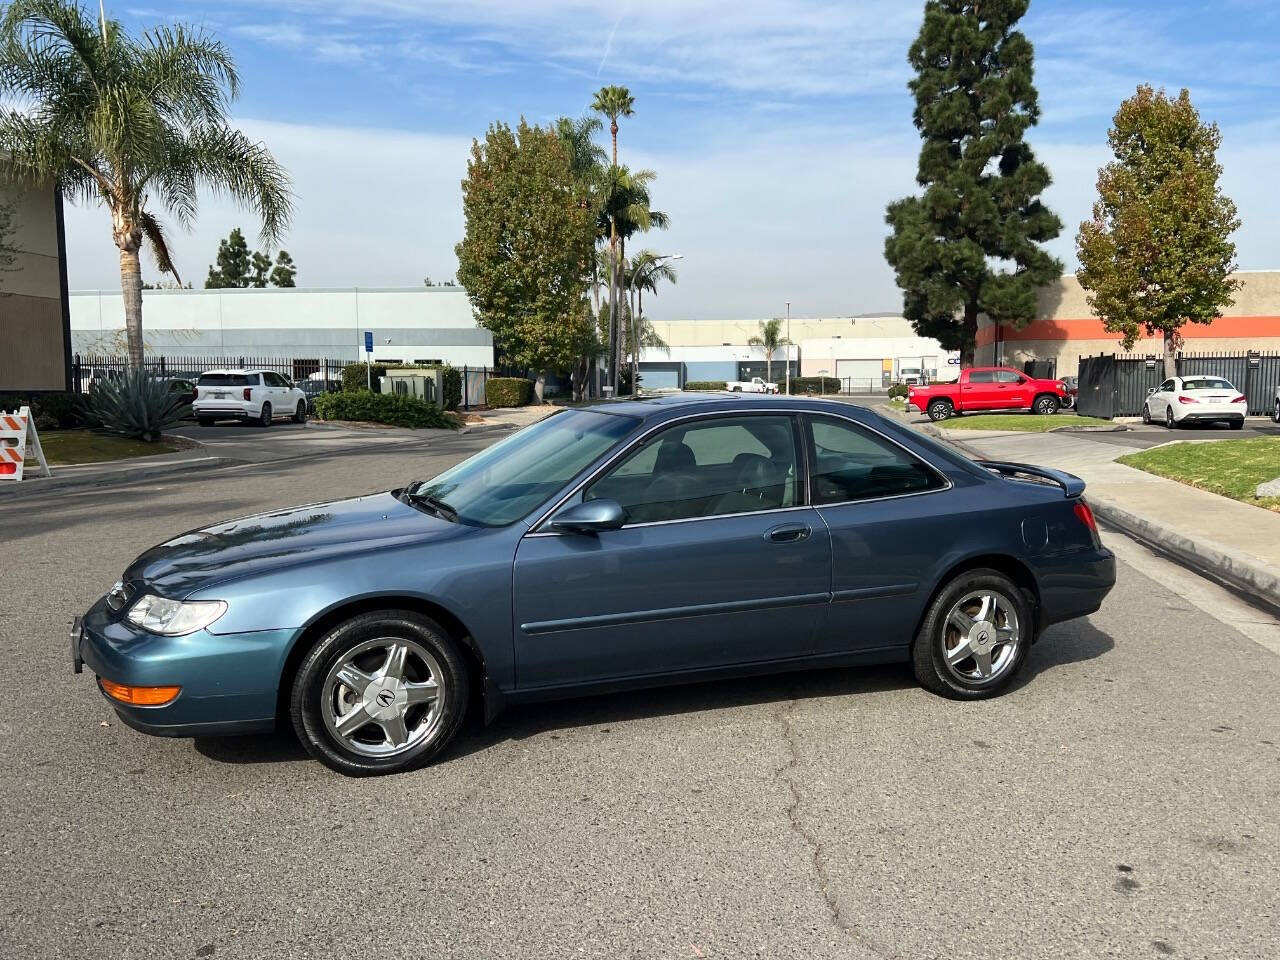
(1200, 399)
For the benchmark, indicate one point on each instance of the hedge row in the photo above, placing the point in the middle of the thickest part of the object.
(394, 409)
(508, 391)
(451, 387)
(355, 376)
(897, 390)
(705, 385)
(811, 385)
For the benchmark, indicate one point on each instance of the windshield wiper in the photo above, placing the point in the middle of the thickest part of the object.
(434, 504)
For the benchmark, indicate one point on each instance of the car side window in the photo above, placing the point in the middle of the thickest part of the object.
(715, 467)
(849, 462)
(981, 376)
(1167, 387)
(275, 380)
(1007, 376)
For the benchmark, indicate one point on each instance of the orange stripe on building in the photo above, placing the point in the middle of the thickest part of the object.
(1091, 328)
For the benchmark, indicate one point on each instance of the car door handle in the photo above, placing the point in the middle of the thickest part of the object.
(789, 533)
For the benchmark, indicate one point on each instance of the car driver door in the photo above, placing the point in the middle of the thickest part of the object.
(980, 390)
(719, 561)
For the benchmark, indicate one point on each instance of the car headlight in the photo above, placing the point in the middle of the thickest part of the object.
(174, 618)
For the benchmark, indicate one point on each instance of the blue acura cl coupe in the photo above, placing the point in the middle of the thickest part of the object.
(621, 545)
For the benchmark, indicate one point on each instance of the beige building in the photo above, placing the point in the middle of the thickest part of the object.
(35, 350)
(1065, 329)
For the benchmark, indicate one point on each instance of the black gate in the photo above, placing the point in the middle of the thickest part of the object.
(1116, 386)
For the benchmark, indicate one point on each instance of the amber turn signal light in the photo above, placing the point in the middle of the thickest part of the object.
(139, 696)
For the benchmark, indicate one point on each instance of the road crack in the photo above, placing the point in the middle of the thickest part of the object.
(817, 852)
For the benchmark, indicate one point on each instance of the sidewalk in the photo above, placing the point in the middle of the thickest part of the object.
(1228, 541)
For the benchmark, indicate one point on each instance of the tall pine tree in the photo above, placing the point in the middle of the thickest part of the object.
(969, 243)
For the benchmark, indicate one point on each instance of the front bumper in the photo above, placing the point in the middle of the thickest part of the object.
(229, 681)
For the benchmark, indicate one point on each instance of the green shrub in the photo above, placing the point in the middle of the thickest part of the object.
(49, 411)
(451, 387)
(897, 390)
(136, 405)
(355, 376)
(705, 385)
(394, 409)
(508, 391)
(811, 385)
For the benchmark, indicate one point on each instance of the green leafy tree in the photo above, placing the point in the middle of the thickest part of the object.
(129, 122)
(284, 272)
(232, 264)
(525, 253)
(1158, 252)
(645, 271)
(261, 269)
(970, 242)
(771, 339)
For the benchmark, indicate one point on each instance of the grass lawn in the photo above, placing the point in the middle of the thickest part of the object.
(1027, 422)
(1231, 468)
(64, 447)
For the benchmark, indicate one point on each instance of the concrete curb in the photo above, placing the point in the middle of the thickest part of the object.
(1210, 560)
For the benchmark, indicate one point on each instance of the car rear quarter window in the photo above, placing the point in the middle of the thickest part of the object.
(849, 462)
(226, 380)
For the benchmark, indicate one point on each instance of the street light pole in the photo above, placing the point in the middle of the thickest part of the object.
(787, 349)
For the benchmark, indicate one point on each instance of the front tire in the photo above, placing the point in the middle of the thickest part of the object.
(939, 410)
(1146, 414)
(974, 638)
(264, 415)
(1045, 405)
(383, 692)
(1275, 414)
(300, 415)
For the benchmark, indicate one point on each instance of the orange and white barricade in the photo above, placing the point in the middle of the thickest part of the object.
(17, 432)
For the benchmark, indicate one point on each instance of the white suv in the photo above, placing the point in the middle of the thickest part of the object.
(251, 395)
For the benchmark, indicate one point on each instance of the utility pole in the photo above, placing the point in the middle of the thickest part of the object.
(787, 348)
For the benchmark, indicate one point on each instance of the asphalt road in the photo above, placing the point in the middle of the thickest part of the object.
(1121, 801)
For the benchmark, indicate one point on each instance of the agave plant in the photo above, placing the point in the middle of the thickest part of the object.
(137, 405)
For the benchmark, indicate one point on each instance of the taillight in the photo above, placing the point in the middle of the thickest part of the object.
(1239, 399)
(195, 392)
(247, 391)
(1084, 513)
(1182, 399)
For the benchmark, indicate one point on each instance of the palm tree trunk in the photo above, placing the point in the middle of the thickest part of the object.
(131, 291)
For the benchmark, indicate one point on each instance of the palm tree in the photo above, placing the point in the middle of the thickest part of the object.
(614, 102)
(126, 121)
(646, 270)
(771, 339)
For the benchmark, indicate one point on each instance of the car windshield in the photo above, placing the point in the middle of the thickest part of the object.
(224, 380)
(505, 482)
(1207, 383)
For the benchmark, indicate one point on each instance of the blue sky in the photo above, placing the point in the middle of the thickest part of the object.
(779, 130)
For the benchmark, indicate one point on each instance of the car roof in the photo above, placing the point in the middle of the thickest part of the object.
(668, 406)
(232, 371)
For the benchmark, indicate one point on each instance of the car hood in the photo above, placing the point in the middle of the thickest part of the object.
(284, 538)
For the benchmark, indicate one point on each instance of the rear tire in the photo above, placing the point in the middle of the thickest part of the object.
(939, 410)
(205, 421)
(1275, 414)
(940, 638)
(1045, 405)
(264, 416)
(1237, 424)
(300, 415)
(1168, 418)
(426, 727)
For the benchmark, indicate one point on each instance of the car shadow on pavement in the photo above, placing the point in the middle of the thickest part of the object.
(1065, 644)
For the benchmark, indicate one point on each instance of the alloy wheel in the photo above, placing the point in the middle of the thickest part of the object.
(1168, 417)
(384, 697)
(981, 637)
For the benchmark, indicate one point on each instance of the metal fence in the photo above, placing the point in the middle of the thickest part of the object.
(89, 369)
(1111, 385)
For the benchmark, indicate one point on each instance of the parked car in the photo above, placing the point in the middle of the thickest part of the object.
(1197, 399)
(1073, 390)
(754, 385)
(312, 388)
(258, 396)
(626, 544)
(1275, 409)
(181, 388)
(988, 388)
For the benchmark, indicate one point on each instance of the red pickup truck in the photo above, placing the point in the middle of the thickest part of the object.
(989, 388)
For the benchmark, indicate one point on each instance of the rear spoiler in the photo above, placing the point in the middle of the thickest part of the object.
(1072, 486)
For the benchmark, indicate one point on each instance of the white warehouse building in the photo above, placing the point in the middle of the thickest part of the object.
(409, 325)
